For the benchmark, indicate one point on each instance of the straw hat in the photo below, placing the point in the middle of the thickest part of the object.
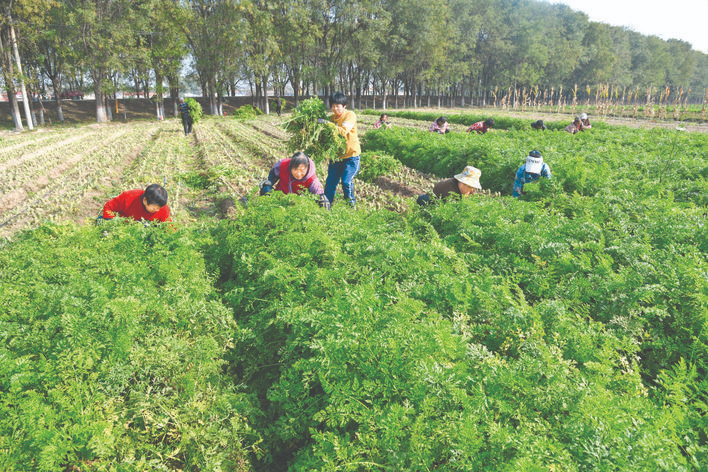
(534, 162)
(470, 176)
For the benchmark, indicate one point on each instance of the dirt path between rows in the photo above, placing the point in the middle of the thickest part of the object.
(92, 201)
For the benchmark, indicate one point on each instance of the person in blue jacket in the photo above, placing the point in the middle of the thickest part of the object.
(532, 170)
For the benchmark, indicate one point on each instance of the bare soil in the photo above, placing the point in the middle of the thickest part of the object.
(397, 188)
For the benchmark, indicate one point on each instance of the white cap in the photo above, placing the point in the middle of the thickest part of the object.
(583, 116)
(534, 164)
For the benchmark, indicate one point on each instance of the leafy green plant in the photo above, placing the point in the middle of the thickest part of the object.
(320, 141)
(374, 165)
(246, 112)
(132, 338)
(195, 109)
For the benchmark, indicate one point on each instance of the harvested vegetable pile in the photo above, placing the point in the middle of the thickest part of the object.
(320, 141)
(246, 112)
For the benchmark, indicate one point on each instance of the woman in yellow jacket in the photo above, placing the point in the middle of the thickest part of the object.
(345, 169)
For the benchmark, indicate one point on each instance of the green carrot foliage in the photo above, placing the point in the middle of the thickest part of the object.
(320, 141)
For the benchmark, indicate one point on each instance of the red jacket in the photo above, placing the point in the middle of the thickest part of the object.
(479, 127)
(130, 205)
(287, 184)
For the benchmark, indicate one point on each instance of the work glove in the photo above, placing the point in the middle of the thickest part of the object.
(324, 202)
(266, 187)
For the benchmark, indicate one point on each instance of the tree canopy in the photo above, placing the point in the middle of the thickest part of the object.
(451, 48)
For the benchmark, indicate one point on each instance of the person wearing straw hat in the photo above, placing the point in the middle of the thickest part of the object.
(463, 184)
(533, 169)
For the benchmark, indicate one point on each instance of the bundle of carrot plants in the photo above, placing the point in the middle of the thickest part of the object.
(320, 141)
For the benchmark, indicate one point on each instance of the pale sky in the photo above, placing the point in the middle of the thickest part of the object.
(679, 19)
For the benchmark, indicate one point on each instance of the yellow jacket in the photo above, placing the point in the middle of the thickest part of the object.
(346, 126)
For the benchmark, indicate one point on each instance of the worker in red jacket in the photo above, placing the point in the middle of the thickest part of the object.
(294, 174)
(149, 205)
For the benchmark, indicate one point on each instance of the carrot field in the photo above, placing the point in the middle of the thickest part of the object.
(565, 330)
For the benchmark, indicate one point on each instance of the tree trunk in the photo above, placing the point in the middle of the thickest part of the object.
(264, 79)
(8, 73)
(158, 96)
(385, 95)
(212, 96)
(107, 106)
(101, 116)
(173, 82)
(137, 85)
(25, 99)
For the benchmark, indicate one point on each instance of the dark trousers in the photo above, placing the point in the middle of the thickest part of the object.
(187, 124)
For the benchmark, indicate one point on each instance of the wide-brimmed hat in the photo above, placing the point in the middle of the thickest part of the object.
(534, 162)
(470, 176)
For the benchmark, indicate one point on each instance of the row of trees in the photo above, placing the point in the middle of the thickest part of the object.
(462, 50)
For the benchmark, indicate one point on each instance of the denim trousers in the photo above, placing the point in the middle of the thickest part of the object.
(344, 170)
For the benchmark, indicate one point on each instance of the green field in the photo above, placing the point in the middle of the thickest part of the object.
(566, 330)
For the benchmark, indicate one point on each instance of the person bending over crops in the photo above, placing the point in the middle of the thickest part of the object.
(440, 126)
(482, 127)
(538, 125)
(575, 126)
(383, 121)
(346, 168)
(149, 205)
(585, 121)
(462, 185)
(293, 174)
(531, 171)
(186, 117)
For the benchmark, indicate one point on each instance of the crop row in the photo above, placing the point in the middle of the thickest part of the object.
(54, 159)
(271, 126)
(23, 145)
(644, 162)
(63, 193)
(267, 147)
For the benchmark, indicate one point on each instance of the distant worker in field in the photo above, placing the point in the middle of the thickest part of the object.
(440, 126)
(575, 127)
(482, 127)
(383, 121)
(149, 205)
(532, 170)
(186, 116)
(538, 125)
(585, 121)
(461, 185)
(279, 106)
(293, 174)
(346, 168)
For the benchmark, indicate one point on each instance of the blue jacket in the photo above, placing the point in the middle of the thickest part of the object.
(523, 177)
